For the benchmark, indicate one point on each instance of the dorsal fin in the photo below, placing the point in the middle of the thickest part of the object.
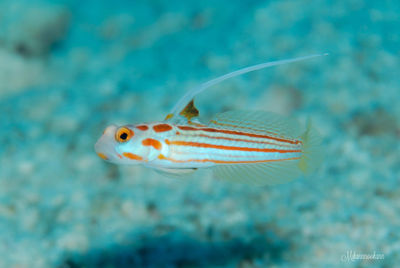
(184, 102)
(190, 111)
(257, 122)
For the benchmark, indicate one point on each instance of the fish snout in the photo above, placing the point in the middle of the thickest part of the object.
(105, 145)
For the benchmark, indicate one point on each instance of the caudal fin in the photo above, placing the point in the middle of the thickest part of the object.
(312, 151)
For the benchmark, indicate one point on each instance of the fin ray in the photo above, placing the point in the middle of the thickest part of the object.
(260, 122)
(280, 171)
(259, 174)
(182, 102)
(312, 151)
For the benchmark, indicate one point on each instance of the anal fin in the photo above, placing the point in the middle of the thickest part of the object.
(259, 174)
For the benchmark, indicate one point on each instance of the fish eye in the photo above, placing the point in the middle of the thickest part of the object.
(123, 134)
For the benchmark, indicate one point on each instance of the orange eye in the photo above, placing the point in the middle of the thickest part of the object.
(123, 134)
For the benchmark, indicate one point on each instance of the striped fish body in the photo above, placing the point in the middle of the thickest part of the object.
(188, 146)
(252, 147)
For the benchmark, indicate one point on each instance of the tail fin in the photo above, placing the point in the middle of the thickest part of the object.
(312, 151)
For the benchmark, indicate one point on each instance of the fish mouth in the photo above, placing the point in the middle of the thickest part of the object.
(106, 144)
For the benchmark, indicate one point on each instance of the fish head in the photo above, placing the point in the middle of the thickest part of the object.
(122, 145)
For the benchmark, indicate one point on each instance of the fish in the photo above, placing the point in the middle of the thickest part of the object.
(253, 147)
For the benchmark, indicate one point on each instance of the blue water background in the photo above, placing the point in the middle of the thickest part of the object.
(70, 68)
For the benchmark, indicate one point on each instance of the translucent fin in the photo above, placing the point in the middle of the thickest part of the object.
(259, 174)
(275, 172)
(176, 173)
(259, 122)
(312, 151)
(181, 104)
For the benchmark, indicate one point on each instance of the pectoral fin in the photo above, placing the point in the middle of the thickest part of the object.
(176, 173)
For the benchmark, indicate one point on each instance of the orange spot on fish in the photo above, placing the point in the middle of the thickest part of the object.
(142, 127)
(152, 142)
(162, 127)
(169, 116)
(102, 156)
(162, 157)
(132, 156)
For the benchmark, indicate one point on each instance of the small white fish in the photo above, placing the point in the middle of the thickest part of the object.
(254, 147)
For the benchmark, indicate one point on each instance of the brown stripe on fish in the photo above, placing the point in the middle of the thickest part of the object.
(132, 156)
(152, 142)
(142, 127)
(162, 127)
(243, 127)
(188, 128)
(223, 147)
(102, 156)
(243, 140)
(162, 157)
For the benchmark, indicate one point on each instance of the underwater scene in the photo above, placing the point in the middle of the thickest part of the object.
(105, 162)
